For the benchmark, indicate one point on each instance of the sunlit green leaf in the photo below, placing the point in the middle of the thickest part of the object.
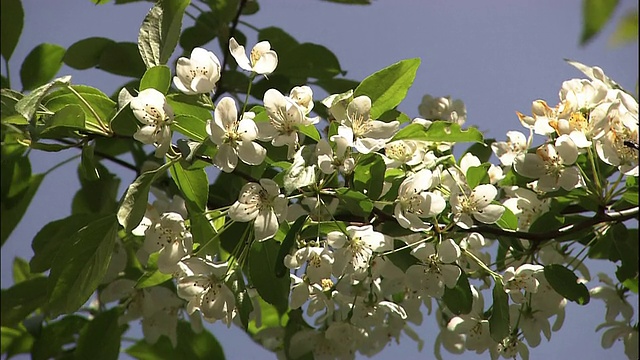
(64, 122)
(157, 77)
(368, 175)
(389, 86)
(439, 131)
(193, 184)
(160, 31)
(356, 202)
(28, 105)
(595, 15)
(508, 220)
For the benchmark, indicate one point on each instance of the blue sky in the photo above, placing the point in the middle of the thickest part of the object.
(497, 56)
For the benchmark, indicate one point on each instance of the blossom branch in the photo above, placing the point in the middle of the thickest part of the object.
(614, 216)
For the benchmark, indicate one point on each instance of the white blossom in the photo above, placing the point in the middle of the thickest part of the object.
(263, 204)
(235, 139)
(443, 108)
(365, 134)
(151, 108)
(203, 286)
(263, 60)
(514, 281)
(171, 239)
(415, 202)
(436, 268)
(197, 74)
(476, 203)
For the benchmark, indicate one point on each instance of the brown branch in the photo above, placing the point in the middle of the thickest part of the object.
(102, 155)
(615, 216)
(225, 57)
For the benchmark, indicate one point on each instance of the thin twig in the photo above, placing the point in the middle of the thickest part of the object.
(225, 58)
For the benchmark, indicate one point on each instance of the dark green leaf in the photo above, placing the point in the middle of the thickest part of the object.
(499, 320)
(86, 53)
(595, 15)
(262, 271)
(389, 86)
(287, 244)
(50, 238)
(11, 22)
(546, 222)
(565, 283)
(307, 61)
(191, 346)
(459, 299)
(41, 65)
(278, 38)
(80, 265)
(134, 201)
(50, 342)
(20, 300)
(88, 163)
(100, 338)
(481, 150)
(368, 175)
(122, 59)
(194, 186)
(15, 206)
(98, 196)
(157, 77)
(356, 202)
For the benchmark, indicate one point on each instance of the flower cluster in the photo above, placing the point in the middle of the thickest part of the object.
(377, 223)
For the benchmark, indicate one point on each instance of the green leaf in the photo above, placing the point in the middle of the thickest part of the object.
(80, 265)
(262, 271)
(21, 270)
(278, 38)
(459, 299)
(98, 108)
(287, 244)
(565, 283)
(368, 175)
(15, 205)
(124, 122)
(389, 86)
(477, 175)
(28, 105)
(193, 184)
(11, 22)
(439, 131)
(96, 195)
(191, 346)
(595, 15)
(190, 126)
(152, 278)
(50, 238)
(499, 320)
(64, 122)
(100, 338)
(86, 53)
(402, 258)
(52, 342)
(41, 65)
(356, 202)
(546, 222)
(20, 300)
(15, 341)
(627, 29)
(307, 61)
(122, 58)
(88, 163)
(134, 201)
(508, 220)
(160, 31)
(157, 77)
(315, 230)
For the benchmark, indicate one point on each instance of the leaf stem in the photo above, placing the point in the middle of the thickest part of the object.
(103, 126)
